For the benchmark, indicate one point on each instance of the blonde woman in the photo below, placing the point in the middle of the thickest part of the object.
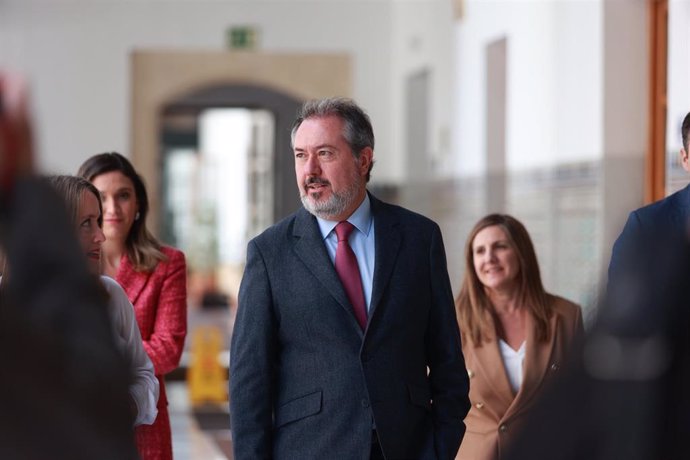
(514, 334)
(83, 205)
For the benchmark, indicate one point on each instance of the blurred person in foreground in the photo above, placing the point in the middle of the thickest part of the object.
(345, 343)
(669, 216)
(515, 335)
(84, 207)
(64, 387)
(154, 277)
(626, 395)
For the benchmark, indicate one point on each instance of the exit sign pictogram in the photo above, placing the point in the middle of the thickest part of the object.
(242, 37)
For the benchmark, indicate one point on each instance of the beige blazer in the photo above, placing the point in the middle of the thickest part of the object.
(497, 413)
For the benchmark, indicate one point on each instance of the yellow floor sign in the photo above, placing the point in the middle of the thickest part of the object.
(207, 379)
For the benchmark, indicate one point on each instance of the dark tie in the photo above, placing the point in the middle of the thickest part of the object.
(348, 271)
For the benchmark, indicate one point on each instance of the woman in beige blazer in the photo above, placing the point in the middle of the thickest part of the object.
(515, 335)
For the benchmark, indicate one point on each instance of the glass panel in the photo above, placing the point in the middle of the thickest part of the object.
(678, 100)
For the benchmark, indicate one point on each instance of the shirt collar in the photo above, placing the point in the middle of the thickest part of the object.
(361, 219)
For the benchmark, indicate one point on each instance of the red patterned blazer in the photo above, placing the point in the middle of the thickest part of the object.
(160, 304)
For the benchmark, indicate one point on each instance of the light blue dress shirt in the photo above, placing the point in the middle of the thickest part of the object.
(361, 241)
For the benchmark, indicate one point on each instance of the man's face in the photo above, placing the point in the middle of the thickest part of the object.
(331, 181)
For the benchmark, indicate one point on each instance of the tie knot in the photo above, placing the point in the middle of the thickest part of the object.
(343, 230)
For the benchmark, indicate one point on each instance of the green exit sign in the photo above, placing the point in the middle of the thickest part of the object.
(242, 37)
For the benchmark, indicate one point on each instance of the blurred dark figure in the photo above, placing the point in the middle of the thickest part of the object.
(627, 395)
(63, 390)
(669, 216)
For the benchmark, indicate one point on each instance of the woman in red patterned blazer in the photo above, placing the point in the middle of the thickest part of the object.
(153, 275)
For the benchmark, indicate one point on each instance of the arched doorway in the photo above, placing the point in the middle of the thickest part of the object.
(174, 91)
(225, 177)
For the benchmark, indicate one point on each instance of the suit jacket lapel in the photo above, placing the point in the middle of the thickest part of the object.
(537, 359)
(311, 249)
(388, 240)
(490, 363)
(131, 280)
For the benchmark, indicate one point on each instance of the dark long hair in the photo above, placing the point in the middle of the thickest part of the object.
(473, 306)
(143, 249)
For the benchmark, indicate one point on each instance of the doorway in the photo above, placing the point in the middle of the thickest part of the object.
(207, 199)
(217, 183)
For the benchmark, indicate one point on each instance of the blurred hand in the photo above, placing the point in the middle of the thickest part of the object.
(16, 155)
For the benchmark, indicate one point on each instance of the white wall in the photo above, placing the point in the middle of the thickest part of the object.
(556, 143)
(678, 71)
(625, 115)
(76, 54)
(423, 39)
(554, 90)
(578, 73)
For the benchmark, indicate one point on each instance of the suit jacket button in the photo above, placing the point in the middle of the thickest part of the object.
(365, 403)
(554, 366)
(503, 428)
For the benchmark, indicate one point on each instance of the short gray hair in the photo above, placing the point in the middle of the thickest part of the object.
(358, 132)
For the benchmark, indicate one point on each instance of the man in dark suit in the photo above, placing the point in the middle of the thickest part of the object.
(324, 368)
(650, 224)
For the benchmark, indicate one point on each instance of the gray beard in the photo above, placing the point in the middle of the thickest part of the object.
(334, 206)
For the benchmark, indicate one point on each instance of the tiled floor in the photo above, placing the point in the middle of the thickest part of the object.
(190, 442)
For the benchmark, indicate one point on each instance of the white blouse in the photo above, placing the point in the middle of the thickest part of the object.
(513, 361)
(144, 386)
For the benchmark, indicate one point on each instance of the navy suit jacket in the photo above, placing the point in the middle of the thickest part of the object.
(650, 232)
(626, 396)
(307, 382)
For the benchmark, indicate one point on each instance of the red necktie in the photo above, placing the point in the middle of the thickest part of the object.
(348, 271)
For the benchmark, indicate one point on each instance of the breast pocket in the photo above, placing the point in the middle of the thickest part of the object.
(298, 408)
